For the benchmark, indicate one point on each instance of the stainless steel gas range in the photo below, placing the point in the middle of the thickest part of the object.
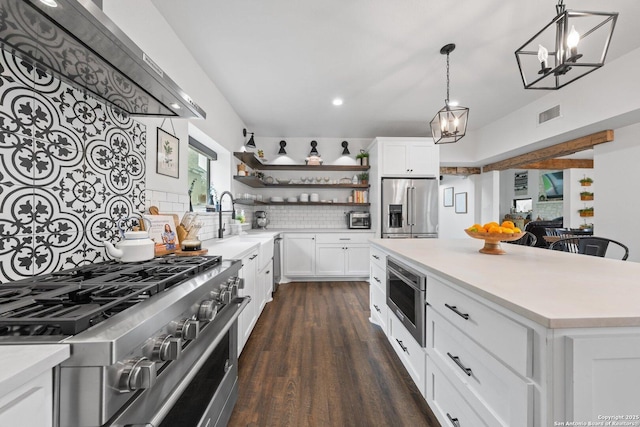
(152, 343)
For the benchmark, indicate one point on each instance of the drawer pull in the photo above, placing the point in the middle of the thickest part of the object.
(453, 421)
(253, 257)
(345, 238)
(376, 279)
(377, 308)
(401, 345)
(376, 257)
(453, 308)
(457, 361)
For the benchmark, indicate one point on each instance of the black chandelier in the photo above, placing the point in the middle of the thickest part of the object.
(571, 46)
(450, 123)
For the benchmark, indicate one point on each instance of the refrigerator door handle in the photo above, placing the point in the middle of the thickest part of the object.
(409, 207)
(413, 205)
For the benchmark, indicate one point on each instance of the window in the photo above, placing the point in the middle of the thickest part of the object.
(522, 205)
(200, 163)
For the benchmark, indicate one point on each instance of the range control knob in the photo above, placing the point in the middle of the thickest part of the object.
(187, 329)
(222, 295)
(207, 311)
(233, 285)
(166, 347)
(137, 374)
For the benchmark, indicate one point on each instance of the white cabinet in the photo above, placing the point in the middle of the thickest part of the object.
(26, 383)
(299, 254)
(407, 348)
(29, 404)
(249, 316)
(327, 254)
(378, 288)
(597, 366)
(417, 157)
(342, 254)
(264, 286)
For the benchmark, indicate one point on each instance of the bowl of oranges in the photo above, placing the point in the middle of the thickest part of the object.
(493, 233)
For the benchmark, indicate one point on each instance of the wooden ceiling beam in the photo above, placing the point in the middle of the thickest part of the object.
(560, 164)
(558, 150)
(459, 170)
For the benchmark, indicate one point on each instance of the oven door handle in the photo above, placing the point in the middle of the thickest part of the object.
(404, 280)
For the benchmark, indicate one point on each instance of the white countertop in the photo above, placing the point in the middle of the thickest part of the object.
(555, 289)
(22, 363)
(237, 246)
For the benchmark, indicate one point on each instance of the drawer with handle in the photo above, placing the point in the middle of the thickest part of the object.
(378, 257)
(378, 307)
(410, 352)
(447, 404)
(343, 238)
(378, 278)
(507, 397)
(505, 338)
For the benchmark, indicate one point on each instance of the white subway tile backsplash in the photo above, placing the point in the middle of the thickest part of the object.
(165, 207)
(173, 197)
(159, 196)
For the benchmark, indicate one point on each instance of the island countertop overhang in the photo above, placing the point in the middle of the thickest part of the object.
(554, 289)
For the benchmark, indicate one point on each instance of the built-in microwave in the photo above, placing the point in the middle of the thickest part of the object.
(406, 296)
(358, 219)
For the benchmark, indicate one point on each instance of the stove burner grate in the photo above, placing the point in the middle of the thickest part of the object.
(70, 301)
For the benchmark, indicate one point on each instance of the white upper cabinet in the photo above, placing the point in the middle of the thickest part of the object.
(409, 157)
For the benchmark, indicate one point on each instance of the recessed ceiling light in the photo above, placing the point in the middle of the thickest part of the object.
(50, 3)
(175, 106)
(337, 102)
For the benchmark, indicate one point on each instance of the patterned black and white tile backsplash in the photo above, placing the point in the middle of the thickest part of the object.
(70, 169)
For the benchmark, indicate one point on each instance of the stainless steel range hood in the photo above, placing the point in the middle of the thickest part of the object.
(78, 43)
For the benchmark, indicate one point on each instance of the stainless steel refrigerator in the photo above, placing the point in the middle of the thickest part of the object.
(409, 208)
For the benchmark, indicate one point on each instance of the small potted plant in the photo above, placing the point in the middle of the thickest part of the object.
(586, 211)
(586, 195)
(363, 157)
(586, 181)
(364, 178)
(261, 154)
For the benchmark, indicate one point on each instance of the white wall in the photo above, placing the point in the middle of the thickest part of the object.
(142, 22)
(490, 197)
(452, 225)
(616, 164)
(572, 202)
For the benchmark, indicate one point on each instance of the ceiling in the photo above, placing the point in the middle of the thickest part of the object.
(281, 62)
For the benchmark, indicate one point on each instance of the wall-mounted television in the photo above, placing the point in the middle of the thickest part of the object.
(552, 183)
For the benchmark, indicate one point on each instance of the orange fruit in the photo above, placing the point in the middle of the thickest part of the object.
(495, 229)
(506, 230)
(508, 224)
(491, 224)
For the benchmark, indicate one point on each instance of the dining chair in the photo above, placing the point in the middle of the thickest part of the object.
(529, 239)
(589, 245)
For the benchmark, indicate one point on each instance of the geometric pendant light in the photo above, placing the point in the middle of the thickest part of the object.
(450, 123)
(572, 45)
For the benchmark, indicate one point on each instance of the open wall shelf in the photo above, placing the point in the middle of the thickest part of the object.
(251, 202)
(254, 182)
(254, 163)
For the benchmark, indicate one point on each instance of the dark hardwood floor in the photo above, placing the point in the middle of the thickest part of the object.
(314, 359)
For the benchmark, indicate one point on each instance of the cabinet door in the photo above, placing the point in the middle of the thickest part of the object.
(330, 259)
(394, 159)
(299, 254)
(598, 366)
(357, 260)
(423, 159)
(31, 404)
(249, 315)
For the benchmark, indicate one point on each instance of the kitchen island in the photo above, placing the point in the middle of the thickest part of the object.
(529, 338)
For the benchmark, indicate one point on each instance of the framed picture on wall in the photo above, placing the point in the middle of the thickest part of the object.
(168, 154)
(461, 203)
(448, 197)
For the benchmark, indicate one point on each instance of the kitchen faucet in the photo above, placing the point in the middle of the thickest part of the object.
(233, 212)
